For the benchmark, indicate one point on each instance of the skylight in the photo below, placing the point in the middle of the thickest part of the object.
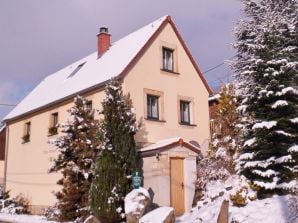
(76, 70)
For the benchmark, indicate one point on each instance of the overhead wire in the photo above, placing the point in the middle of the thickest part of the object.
(204, 72)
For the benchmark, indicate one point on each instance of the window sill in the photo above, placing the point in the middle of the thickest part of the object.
(169, 71)
(49, 135)
(25, 142)
(154, 120)
(187, 124)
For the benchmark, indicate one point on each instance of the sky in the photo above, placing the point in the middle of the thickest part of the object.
(39, 37)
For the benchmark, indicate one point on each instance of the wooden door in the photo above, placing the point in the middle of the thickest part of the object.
(177, 185)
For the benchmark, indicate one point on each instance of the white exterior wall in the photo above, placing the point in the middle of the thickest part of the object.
(157, 175)
(190, 177)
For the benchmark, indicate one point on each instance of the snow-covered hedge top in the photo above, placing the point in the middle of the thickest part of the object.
(157, 216)
(133, 198)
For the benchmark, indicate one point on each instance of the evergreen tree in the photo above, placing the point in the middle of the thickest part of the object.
(266, 68)
(225, 143)
(117, 159)
(77, 149)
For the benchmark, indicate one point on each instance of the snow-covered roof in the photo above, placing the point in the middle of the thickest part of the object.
(167, 142)
(2, 128)
(214, 97)
(94, 71)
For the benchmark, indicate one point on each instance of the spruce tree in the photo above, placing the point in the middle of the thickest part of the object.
(77, 149)
(267, 67)
(117, 159)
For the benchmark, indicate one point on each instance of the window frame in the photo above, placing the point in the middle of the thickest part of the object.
(182, 118)
(54, 121)
(149, 107)
(27, 132)
(89, 105)
(164, 63)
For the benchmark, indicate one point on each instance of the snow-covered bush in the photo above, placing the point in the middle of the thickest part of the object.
(208, 170)
(52, 213)
(136, 203)
(242, 192)
(17, 205)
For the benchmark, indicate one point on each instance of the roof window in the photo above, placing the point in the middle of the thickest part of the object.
(76, 70)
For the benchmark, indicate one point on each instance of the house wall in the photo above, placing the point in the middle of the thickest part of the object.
(147, 76)
(27, 164)
(2, 154)
(156, 174)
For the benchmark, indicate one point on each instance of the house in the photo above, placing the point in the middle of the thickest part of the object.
(2, 152)
(169, 94)
(215, 127)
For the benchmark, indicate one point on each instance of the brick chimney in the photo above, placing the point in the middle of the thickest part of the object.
(103, 41)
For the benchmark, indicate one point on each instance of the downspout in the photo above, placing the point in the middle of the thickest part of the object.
(6, 155)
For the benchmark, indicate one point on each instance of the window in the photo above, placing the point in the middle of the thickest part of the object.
(26, 136)
(167, 59)
(152, 107)
(53, 130)
(185, 112)
(89, 105)
(76, 70)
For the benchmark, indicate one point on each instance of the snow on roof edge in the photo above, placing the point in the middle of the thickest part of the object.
(2, 127)
(166, 142)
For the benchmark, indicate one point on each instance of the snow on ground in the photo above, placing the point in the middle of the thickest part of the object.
(157, 216)
(270, 210)
(277, 209)
(23, 218)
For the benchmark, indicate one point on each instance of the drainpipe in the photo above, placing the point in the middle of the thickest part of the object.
(6, 155)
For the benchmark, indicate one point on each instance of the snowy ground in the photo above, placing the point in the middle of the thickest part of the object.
(277, 209)
(271, 210)
(22, 218)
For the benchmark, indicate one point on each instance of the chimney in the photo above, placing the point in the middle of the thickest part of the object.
(103, 41)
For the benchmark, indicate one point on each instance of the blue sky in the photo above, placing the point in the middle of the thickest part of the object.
(38, 37)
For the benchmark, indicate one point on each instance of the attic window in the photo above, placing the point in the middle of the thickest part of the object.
(76, 70)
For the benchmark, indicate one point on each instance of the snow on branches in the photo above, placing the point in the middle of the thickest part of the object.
(266, 74)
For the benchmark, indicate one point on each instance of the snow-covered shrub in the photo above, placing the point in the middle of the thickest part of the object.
(17, 205)
(242, 193)
(136, 203)
(208, 170)
(52, 213)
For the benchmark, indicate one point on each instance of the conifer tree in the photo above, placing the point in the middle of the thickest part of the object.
(117, 159)
(225, 143)
(77, 149)
(267, 67)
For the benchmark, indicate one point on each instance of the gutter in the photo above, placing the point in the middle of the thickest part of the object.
(84, 91)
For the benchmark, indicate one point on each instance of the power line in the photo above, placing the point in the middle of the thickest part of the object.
(204, 72)
(218, 65)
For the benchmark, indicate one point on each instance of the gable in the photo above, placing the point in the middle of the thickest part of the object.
(169, 29)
